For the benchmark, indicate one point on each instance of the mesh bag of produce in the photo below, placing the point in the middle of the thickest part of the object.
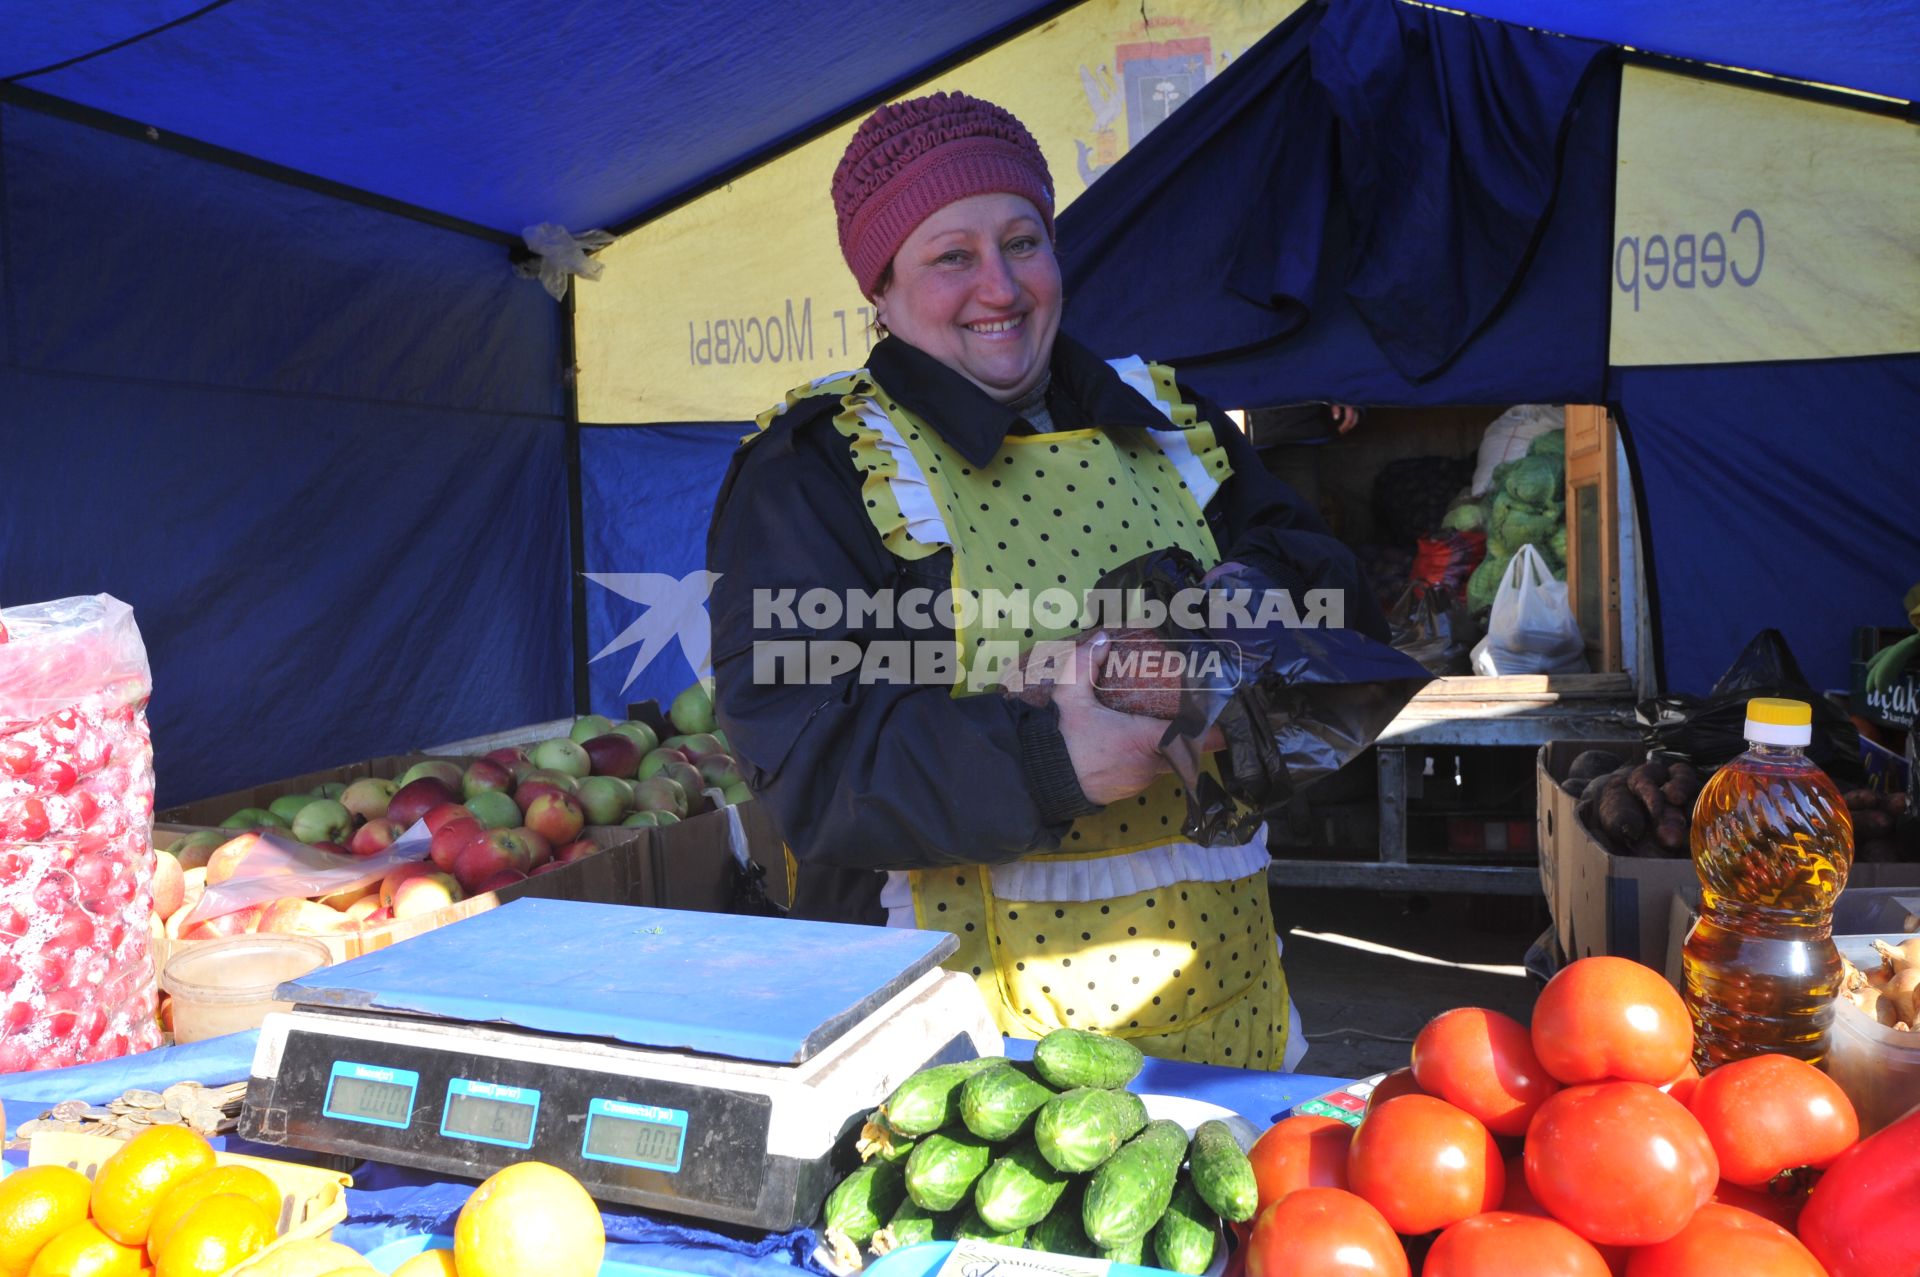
(76, 835)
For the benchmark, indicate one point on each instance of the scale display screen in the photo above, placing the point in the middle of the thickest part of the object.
(491, 1114)
(368, 1093)
(635, 1135)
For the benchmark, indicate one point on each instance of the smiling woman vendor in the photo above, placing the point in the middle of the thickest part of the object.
(981, 450)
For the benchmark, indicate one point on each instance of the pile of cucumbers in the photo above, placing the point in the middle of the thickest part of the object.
(1053, 1156)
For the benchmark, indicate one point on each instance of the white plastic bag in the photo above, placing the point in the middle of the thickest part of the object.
(1507, 439)
(1531, 629)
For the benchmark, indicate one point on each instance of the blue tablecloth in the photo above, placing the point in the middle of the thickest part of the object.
(389, 1202)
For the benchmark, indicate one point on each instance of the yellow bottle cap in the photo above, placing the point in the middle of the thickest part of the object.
(1779, 711)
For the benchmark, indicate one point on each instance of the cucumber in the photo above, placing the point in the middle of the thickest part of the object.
(1129, 1252)
(1222, 1175)
(942, 1168)
(1183, 1239)
(927, 1101)
(857, 1208)
(999, 1104)
(1074, 1057)
(911, 1224)
(972, 1228)
(1060, 1232)
(1079, 1129)
(1130, 1191)
(1019, 1189)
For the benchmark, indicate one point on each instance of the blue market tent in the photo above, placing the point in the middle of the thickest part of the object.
(265, 373)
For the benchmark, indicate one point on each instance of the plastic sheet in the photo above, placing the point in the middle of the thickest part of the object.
(76, 835)
(1294, 702)
(1431, 624)
(278, 867)
(1710, 730)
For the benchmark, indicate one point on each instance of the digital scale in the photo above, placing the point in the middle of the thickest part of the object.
(701, 1064)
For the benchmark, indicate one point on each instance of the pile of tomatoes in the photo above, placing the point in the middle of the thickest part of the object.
(1587, 1146)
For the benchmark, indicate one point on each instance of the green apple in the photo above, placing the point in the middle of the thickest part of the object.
(692, 710)
(323, 820)
(287, 806)
(253, 818)
(640, 734)
(604, 799)
(588, 726)
(561, 755)
(494, 809)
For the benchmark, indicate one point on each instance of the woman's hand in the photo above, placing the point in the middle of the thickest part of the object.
(1115, 755)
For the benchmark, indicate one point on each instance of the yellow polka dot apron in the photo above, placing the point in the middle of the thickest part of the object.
(1128, 928)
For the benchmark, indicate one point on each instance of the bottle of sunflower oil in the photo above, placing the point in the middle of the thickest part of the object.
(1772, 843)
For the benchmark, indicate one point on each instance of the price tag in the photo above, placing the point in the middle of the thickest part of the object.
(1348, 1104)
(985, 1259)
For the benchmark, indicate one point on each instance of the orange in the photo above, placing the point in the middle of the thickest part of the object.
(216, 1234)
(242, 1180)
(36, 1204)
(529, 1218)
(133, 1182)
(85, 1251)
(429, 1263)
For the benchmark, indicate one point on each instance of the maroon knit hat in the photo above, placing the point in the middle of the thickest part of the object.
(911, 159)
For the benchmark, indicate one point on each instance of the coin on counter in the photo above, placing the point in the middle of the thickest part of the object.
(70, 1110)
(207, 1121)
(144, 1099)
(33, 1126)
(164, 1117)
(181, 1094)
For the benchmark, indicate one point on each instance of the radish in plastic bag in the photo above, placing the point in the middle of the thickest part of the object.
(1532, 629)
(76, 835)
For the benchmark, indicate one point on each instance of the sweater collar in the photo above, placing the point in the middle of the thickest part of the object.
(1085, 391)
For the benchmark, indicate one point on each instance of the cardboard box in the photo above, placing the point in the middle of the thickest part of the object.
(1600, 902)
(694, 859)
(1628, 906)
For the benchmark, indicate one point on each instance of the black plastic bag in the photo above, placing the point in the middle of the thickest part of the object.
(1430, 624)
(1294, 704)
(1708, 731)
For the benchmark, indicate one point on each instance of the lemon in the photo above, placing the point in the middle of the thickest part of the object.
(529, 1218)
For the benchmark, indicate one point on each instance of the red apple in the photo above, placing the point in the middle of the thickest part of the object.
(169, 886)
(293, 916)
(538, 848)
(333, 847)
(485, 776)
(547, 868)
(349, 895)
(578, 849)
(362, 909)
(443, 813)
(197, 848)
(399, 874)
(373, 837)
(451, 840)
(416, 798)
(425, 893)
(367, 798)
(484, 857)
(506, 755)
(505, 878)
(556, 817)
(225, 862)
(660, 793)
(613, 755)
(238, 923)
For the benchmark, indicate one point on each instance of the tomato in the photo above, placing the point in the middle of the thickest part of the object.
(1499, 1244)
(1619, 1163)
(1324, 1232)
(1300, 1152)
(1781, 1203)
(1681, 1087)
(1859, 1219)
(1604, 1019)
(1483, 1062)
(1398, 1082)
(1771, 1113)
(1425, 1164)
(1720, 1241)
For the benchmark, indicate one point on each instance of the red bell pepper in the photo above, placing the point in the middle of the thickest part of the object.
(1861, 1219)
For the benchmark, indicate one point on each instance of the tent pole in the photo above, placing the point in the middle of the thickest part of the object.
(576, 509)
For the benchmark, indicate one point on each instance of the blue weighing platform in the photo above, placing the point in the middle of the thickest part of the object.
(770, 990)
